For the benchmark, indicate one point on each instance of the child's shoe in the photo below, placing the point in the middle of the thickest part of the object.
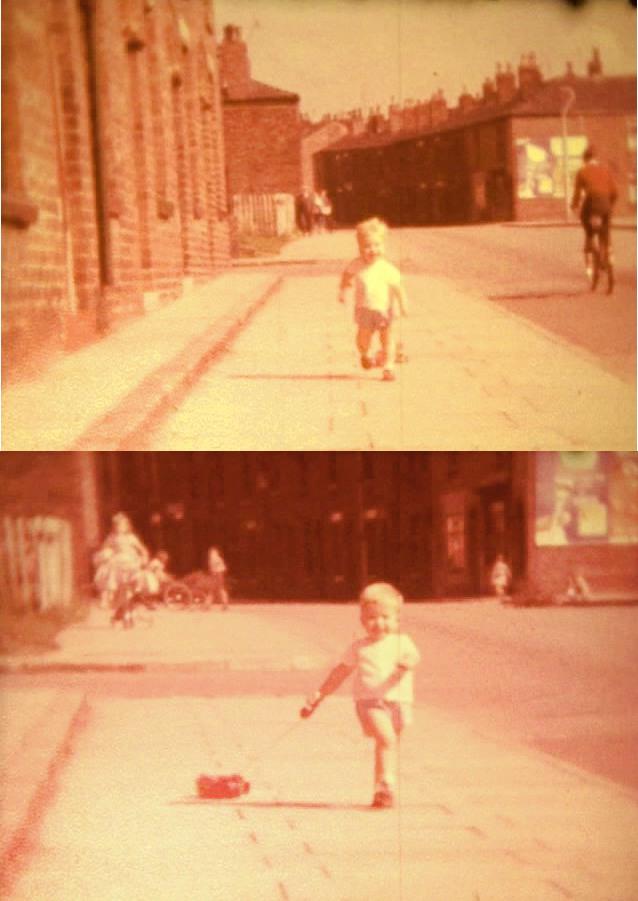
(383, 796)
(388, 375)
(366, 362)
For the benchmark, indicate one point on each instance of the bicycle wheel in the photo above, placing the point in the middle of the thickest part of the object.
(595, 266)
(177, 596)
(200, 598)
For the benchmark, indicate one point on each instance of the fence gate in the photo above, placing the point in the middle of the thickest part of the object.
(264, 214)
(36, 562)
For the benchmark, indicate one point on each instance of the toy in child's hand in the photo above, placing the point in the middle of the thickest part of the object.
(222, 786)
(310, 706)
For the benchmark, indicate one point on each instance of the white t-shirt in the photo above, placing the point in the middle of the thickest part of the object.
(374, 661)
(374, 283)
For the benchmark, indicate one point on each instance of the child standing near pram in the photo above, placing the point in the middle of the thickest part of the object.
(501, 577)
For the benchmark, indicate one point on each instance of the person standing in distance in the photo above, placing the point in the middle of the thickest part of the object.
(218, 569)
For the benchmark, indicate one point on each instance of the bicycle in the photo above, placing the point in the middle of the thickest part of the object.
(601, 259)
(132, 606)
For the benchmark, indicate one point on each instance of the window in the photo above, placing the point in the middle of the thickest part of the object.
(455, 541)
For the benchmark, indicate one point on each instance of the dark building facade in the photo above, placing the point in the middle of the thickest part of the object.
(262, 126)
(319, 525)
(510, 154)
(113, 192)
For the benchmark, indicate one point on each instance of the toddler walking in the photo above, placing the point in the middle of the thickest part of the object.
(378, 292)
(382, 663)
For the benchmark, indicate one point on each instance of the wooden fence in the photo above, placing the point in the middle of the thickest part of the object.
(264, 214)
(36, 562)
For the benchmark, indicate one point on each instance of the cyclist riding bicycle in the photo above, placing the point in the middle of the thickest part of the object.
(598, 187)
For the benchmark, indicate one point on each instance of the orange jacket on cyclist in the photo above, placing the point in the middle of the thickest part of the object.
(596, 183)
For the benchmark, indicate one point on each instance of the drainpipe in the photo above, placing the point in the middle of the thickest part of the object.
(570, 96)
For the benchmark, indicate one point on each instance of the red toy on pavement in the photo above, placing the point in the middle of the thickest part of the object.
(222, 786)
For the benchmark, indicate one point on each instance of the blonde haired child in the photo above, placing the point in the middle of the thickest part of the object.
(378, 292)
(382, 663)
(120, 559)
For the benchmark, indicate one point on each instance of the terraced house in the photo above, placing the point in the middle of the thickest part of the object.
(113, 188)
(508, 154)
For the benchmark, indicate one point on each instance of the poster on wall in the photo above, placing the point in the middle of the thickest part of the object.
(586, 497)
(540, 165)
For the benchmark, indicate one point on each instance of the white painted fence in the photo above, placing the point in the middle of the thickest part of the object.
(264, 214)
(36, 562)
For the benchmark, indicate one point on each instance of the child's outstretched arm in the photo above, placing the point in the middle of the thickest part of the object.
(331, 683)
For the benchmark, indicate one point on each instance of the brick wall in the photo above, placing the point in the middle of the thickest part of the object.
(263, 147)
(113, 164)
(34, 296)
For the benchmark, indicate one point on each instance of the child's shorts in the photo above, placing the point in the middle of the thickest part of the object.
(400, 714)
(372, 320)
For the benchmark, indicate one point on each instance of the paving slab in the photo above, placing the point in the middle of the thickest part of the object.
(37, 731)
(475, 818)
(96, 397)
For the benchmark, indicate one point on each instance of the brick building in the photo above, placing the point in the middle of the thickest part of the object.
(316, 136)
(507, 154)
(318, 525)
(113, 194)
(49, 524)
(262, 126)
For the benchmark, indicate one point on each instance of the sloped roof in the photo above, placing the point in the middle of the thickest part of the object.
(252, 90)
(609, 95)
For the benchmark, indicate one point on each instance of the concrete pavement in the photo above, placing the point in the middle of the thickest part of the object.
(38, 729)
(478, 817)
(110, 390)
(479, 376)
(475, 818)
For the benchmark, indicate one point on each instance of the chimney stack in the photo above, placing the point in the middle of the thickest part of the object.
(489, 91)
(234, 64)
(466, 102)
(505, 84)
(595, 66)
(438, 107)
(529, 75)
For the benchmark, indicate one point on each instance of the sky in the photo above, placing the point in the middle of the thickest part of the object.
(343, 54)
